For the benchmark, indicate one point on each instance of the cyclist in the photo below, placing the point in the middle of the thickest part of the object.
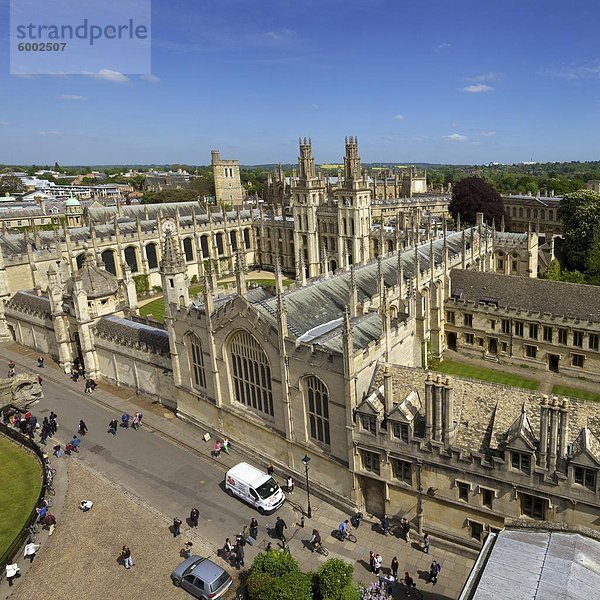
(343, 529)
(409, 581)
(315, 540)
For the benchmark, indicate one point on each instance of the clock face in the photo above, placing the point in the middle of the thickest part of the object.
(168, 226)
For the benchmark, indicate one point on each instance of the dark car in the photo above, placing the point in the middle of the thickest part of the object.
(202, 578)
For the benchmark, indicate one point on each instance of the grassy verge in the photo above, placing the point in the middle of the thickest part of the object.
(564, 390)
(452, 367)
(20, 484)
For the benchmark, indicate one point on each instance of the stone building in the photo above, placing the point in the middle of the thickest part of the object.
(551, 325)
(228, 185)
(541, 211)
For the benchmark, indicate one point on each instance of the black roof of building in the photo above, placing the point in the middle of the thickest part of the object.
(133, 332)
(557, 298)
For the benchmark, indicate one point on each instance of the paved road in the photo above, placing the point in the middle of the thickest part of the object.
(169, 477)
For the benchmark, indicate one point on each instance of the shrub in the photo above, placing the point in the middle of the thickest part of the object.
(350, 593)
(333, 577)
(275, 563)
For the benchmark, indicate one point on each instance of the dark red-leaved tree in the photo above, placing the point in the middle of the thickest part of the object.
(472, 195)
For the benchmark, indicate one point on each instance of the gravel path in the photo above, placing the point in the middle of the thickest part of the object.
(79, 562)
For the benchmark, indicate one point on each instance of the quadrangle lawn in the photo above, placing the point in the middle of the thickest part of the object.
(452, 367)
(20, 484)
(564, 390)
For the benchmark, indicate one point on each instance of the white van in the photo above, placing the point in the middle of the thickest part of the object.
(254, 487)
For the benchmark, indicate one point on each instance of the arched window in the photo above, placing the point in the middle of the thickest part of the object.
(188, 249)
(151, 256)
(251, 373)
(204, 246)
(196, 361)
(247, 239)
(131, 259)
(318, 409)
(233, 240)
(108, 258)
(79, 260)
(219, 238)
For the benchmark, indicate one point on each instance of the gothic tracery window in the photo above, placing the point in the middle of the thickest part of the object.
(251, 373)
(318, 409)
(197, 361)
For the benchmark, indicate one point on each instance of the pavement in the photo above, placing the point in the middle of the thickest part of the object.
(168, 468)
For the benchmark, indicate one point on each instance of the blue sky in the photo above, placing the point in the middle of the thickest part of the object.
(416, 80)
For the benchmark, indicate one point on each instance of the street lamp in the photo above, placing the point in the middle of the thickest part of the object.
(306, 460)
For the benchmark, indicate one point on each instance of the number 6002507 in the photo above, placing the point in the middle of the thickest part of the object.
(42, 46)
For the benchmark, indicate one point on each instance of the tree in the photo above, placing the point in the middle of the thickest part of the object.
(553, 272)
(580, 215)
(333, 576)
(275, 576)
(11, 185)
(473, 195)
(593, 261)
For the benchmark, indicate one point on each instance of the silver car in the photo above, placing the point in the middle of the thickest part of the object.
(202, 578)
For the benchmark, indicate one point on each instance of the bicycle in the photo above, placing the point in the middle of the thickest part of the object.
(50, 489)
(318, 547)
(32, 531)
(412, 591)
(349, 536)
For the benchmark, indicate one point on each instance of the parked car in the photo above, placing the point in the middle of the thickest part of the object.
(202, 578)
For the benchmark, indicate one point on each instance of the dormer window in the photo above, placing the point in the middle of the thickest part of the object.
(521, 462)
(368, 423)
(400, 431)
(586, 477)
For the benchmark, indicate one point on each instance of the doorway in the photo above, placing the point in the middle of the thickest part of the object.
(553, 362)
(451, 338)
(493, 346)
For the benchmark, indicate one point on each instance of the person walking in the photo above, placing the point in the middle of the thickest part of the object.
(112, 426)
(125, 421)
(227, 550)
(88, 386)
(194, 516)
(377, 562)
(40, 362)
(290, 485)
(11, 368)
(176, 526)
(394, 568)
(239, 556)
(53, 419)
(434, 571)
(385, 525)
(126, 556)
(280, 525)
(82, 427)
(30, 550)
(426, 543)
(254, 528)
(372, 561)
(186, 552)
(136, 421)
(405, 526)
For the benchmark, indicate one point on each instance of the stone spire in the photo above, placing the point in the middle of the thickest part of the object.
(353, 293)
(301, 269)
(172, 259)
(240, 273)
(281, 310)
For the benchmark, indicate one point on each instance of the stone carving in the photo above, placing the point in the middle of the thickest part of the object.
(20, 391)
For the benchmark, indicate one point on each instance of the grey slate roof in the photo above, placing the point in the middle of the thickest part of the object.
(535, 295)
(30, 302)
(540, 565)
(133, 332)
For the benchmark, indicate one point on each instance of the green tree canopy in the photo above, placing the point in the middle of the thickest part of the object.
(473, 195)
(580, 215)
(11, 185)
(333, 577)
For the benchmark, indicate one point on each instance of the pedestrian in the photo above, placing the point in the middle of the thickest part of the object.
(12, 571)
(377, 562)
(140, 416)
(408, 580)
(112, 426)
(239, 556)
(136, 421)
(82, 427)
(394, 568)
(75, 442)
(57, 451)
(40, 362)
(268, 547)
(53, 422)
(86, 505)
(40, 380)
(372, 561)
(225, 446)
(270, 470)
(88, 386)
(290, 485)
(125, 421)
(75, 375)
(30, 550)
(405, 526)
(187, 550)
(246, 535)
(176, 526)
(426, 543)
(227, 550)
(50, 523)
(126, 556)
(385, 525)
(280, 525)
(434, 571)
(11, 368)
(194, 516)
(254, 528)
(217, 450)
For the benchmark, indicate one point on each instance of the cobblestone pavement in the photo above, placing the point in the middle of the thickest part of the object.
(79, 561)
(150, 541)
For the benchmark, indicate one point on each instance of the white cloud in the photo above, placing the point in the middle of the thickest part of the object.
(442, 46)
(50, 133)
(490, 76)
(399, 117)
(490, 133)
(315, 106)
(280, 35)
(478, 88)
(71, 97)
(421, 138)
(456, 137)
(150, 78)
(108, 75)
(573, 71)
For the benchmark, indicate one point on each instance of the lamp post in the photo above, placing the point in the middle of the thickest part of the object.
(306, 460)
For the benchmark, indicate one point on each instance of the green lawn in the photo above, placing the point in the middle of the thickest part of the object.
(20, 484)
(563, 390)
(452, 367)
(156, 308)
